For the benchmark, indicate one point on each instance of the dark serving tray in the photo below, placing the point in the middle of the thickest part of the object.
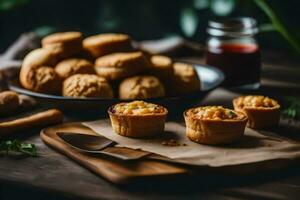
(210, 78)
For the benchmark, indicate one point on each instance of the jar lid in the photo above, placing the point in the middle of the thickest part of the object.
(232, 27)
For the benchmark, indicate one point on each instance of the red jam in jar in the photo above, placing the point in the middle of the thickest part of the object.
(232, 49)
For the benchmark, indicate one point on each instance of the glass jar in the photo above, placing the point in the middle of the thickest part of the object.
(233, 49)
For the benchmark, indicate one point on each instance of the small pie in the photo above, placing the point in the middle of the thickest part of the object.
(214, 125)
(138, 119)
(262, 111)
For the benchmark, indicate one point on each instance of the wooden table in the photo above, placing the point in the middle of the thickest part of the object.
(53, 176)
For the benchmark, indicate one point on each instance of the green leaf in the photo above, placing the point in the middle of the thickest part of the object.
(189, 21)
(18, 147)
(292, 109)
(278, 25)
(42, 31)
(266, 28)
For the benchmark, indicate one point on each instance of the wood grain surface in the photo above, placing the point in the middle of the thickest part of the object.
(52, 175)
(115, 170)
(150, 167)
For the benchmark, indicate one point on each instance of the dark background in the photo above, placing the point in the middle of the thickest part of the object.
(142, 19)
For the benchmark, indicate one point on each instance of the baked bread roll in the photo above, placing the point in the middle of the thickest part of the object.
(37, 120)
(86, 85)
(120, 65)
(141, 87)
(37, 74)
(262, 111)
(161, 67)
(26, 102)
(63, 44)
(103, 44)
(9, 102)
(138, 119)
(71, 66)
(214, 125)
(39, 57)
(44, 80)
(184, 81)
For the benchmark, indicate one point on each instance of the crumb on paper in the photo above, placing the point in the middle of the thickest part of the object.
(172, 143)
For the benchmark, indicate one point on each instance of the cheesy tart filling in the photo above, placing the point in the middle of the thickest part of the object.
(256, 102)
(138, 108)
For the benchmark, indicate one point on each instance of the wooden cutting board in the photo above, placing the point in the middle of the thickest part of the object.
(124, 172)
(114, 170)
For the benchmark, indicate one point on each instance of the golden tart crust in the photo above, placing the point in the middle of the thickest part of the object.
(214, 125)
(137, 119)
(262, 111)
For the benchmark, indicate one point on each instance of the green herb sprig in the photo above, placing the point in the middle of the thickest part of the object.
(292, 111)
(18, 147)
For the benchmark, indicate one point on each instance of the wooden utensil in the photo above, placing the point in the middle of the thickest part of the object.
(40, 119)
(94, 144)
(115, 170)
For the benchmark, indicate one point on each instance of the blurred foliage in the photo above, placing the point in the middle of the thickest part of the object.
(223, 8)
(189, 21)
(292, 109)
(148, 19)
(278, 25)
(44, 30)
(6, 5)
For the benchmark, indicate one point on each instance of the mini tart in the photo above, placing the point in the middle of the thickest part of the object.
(262, 111)
(214, 125)
(138, 119)
(103, 44)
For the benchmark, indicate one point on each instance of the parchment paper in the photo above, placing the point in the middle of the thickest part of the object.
(253, 147)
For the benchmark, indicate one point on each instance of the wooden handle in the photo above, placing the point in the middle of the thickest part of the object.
(48, 117)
